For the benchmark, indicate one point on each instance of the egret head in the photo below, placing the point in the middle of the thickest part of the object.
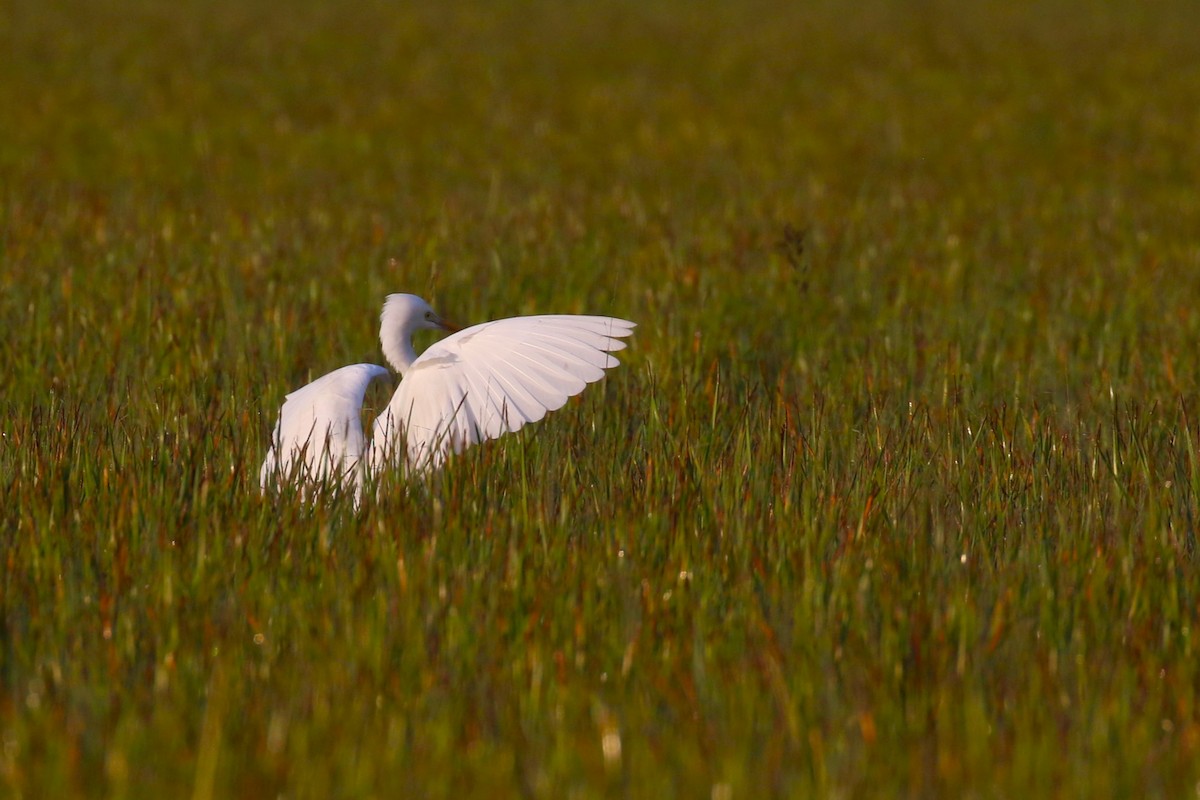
(403, 315)
(412, 312)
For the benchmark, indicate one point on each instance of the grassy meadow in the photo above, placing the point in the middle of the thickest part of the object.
(895, 492)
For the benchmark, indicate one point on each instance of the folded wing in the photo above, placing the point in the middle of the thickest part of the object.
(319, 435)
(492, 379)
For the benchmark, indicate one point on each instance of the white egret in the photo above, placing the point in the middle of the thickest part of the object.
(477, 384)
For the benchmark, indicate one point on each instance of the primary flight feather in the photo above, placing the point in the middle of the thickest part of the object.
(477, 384)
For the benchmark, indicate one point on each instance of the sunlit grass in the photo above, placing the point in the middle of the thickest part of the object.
(895, 492)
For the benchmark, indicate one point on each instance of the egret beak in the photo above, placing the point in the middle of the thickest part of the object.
(448, 326)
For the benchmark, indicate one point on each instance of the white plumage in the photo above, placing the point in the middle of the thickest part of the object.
(319, 434)
(476, 384)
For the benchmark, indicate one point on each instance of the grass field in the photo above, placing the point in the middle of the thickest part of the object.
(895, 494)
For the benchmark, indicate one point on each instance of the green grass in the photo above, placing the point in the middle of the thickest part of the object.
(909, 510)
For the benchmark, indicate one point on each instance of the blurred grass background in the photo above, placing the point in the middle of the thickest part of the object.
(895, 494)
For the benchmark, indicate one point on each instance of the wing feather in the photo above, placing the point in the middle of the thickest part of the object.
(492, 379)
(547, 378)
(319, 434)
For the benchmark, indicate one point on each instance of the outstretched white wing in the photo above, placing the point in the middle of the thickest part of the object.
(319, 434)
(491, 379)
